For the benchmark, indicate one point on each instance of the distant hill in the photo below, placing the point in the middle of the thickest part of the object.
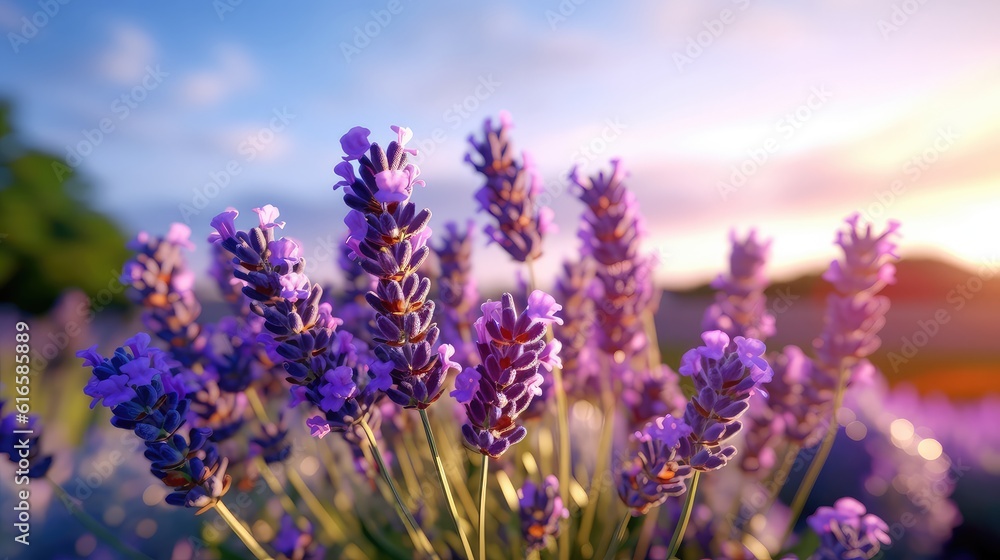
(917, 280)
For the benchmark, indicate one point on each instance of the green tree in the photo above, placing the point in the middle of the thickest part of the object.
(49, 239)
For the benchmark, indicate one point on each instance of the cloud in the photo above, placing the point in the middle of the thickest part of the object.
(232, 71)
(132, 49)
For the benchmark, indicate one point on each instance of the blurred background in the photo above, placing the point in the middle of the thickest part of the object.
(779, 116)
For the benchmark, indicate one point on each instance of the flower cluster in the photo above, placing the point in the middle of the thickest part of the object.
(574, 288)
(845, 531)
(457, 288)
(161, 283)
(511, 349)
(656, 471)
(296, 540)
(805, 388)
(510, 194)
(725, 375)
(322, 363)
(611, 231)
(155, 406)
(389, 238)
(21, 443)
(541, 510)
(740, 307)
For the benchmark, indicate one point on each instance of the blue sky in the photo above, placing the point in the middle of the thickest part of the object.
(886, 106)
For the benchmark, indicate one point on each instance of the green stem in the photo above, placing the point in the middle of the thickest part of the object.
(331, 527)
(806, 487)
(603, 458)
(443, 479)
(421, 539)
(482, 506)
(242, 532)
(562, 409)
(619, 536)
(682, 525)
(95, 526)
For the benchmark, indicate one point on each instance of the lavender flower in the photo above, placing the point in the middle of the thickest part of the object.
(611, 231)
(271, 443)
(805, 389)
(222, 412)
(161, 282)
(510, 193)
(541, 510)
(301, 331)
(511, 350)
(855, 314)
(725, 374)
(136, 363)
(25, 446)
(657, 469)
(296, 541)
(389, 237)
(156, 411)
(846, 532)
(740, 307)
(573, 288)
(457, 287)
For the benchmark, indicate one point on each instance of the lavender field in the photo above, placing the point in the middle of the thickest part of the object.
(425, 281)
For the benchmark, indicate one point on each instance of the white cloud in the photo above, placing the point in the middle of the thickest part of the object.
(233, 70)
(131, 51)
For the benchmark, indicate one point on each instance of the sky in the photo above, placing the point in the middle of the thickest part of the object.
(784, 116)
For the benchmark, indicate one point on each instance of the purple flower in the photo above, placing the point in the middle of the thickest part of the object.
(179, 234)
(225, 226)
(338, 388)
(318, 426)
(457, 292)
(11, 443)
(846, 532)
(509, 346)
(611, 231)
(155, 411)
(389, 239)
(355, 143)
(346, 171)
(466, 384)
(656, 470)
(543, 308)
(296, 540)
(509, 194)
(740, 307)
(667, 429)
(725, 375)
(299, 331)
(541, 509)
(160, 282)
(135, 363)
(267, 215)
(577, 354)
